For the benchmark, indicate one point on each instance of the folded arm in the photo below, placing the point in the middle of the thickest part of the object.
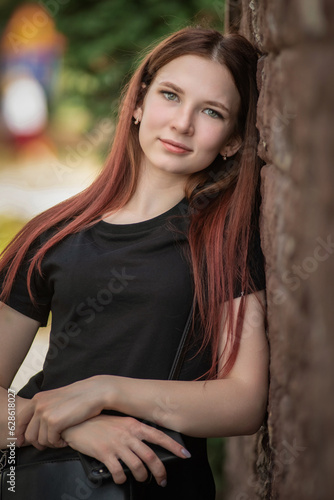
(233, 405)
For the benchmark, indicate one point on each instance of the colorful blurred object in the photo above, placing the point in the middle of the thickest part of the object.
(24, 106)
(31, 51)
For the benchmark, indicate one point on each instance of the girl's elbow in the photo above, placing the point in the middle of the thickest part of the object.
(255, 417)
(253, 428)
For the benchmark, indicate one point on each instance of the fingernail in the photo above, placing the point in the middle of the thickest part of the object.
(163, 483)
(186, 453)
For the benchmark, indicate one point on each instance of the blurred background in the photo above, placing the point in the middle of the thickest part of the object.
(63, 64)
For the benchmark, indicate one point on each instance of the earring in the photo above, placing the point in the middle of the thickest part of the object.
(224, 156)
(136, 121)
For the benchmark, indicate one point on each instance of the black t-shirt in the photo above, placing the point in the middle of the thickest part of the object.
(120, 296)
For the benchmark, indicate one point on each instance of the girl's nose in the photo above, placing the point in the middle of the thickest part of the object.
(183, 121)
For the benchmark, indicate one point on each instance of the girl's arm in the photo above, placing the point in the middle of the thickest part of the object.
(233, 405)
(104, 437)
(17, 333)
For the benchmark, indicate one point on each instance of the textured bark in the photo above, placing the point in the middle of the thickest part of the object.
(292, 456)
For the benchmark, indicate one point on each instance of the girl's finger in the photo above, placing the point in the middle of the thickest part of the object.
(152, 461)
(43, 435)
(162, 439)
(24, 418)
(54, 437)
(135, 464)
(115, 469)
(32, 431)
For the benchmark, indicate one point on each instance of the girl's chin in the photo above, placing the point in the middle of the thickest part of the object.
(167, 168)
(174, 171)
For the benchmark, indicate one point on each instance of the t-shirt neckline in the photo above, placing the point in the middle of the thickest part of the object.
(143, 225)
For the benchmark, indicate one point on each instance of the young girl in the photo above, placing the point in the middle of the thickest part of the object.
(171, 221)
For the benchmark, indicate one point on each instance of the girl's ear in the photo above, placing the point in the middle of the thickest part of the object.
(138, 112)
(232, 146)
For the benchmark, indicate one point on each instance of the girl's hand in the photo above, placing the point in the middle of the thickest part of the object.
(49, 413)
(110, 438)
(21, 403)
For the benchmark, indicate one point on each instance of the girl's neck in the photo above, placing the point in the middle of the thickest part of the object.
(153, 196)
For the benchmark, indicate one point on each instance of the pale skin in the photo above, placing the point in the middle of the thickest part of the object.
(232, 405)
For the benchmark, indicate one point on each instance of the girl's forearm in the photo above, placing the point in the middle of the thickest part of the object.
(224, 407)
(10, 406)
(4, 432)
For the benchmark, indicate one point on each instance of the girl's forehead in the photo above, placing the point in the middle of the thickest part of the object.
(180, 63)
(192, 68)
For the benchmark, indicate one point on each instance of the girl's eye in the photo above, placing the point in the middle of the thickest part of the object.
(170, 96)
(212, 113)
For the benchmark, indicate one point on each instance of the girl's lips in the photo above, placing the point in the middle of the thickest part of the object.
(175, 147)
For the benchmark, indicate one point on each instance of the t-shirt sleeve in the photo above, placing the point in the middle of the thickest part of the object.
(256, 266)
(19, 298)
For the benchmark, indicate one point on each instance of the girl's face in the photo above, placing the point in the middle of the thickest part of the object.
(188, 115)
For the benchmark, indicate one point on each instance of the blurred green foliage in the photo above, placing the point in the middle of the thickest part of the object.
(216, 455)
(106, 37)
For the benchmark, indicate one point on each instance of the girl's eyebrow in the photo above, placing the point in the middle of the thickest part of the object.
(180, 91)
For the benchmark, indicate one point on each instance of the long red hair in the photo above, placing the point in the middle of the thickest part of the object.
(223, 197)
